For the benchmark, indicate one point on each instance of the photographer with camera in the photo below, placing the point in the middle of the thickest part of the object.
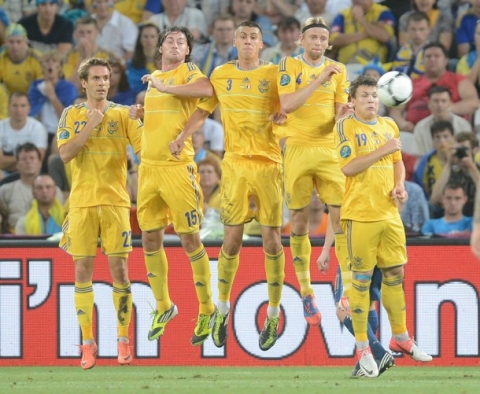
(461, 168)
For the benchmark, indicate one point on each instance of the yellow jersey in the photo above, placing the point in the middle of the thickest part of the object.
(72, 60)
(247, 99)
(3, 101)
(99, 171)
(367, 194)
(18, 77)
(312, 123)
(166, 115)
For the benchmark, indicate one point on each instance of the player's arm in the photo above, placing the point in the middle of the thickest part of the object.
(468, 103)
(399, 194)
(362, 163)
(323, 261)
(70, 149)
(199, 88)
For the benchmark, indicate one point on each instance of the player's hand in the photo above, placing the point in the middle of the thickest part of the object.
(278, 118)
(344, 110)
(392, 145)
(323, 261)
(136, 111)
(328, 72)
(154, 82)
(475, 241)
(176, 148)
(400, 196)
(94, 116)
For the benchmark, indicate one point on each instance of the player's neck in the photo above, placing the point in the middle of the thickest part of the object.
(167, 66)
(312, 62)
(250, 64)
(97, 104)
(365, 118)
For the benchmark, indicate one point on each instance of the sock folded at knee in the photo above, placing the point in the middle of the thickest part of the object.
(275, 273)
(301, 253)
(84, 300)
(157, 274)
(122, 299)
(201, 277)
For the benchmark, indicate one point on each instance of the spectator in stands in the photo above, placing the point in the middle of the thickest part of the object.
(46, 214)
(61, 174)
(46, 29)
(86, 37)
(19, 64)
(409, 58)
(214, 136)
(198, 143)
(3, 101)
(430, 166)
(276, 10)
(4, 226)
(220, 50)
(176, 13)
(119, 91)
(314, 8)
(363, 31)
(466, 29)
(133, 9)
(210, 175)
(375, 69)
(17, 195)
(18, 129)
(460, 167)
(453, 224)
(3, 26)
(440, 105)
(17, 9)
(415, 211)
(143, 59)
(441, 24)
(469, 65)
(463, 93)
(118, 33)
(288, 33)
(50, 95)
(243, 10)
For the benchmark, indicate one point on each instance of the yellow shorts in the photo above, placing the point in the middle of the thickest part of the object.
(306, 168)
(169, 194)
(245, 178)
(379, 243)
(83, 226)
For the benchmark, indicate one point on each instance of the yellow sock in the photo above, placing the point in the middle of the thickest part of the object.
(227, 269)
(157, 274)
(84, 299)
(275, 272)
(341, 252)
(301, 252)
(122, 299)
(360, 303)
(393, 299)
(201, 277)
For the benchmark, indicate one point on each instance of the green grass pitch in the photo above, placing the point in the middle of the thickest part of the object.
(227, 380)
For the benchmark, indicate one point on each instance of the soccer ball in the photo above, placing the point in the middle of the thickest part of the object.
(394, 88)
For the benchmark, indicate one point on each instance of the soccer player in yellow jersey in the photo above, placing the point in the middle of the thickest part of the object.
(93, 137)
(313, 92)
(369, 147)
(169, 185)
(251, 168)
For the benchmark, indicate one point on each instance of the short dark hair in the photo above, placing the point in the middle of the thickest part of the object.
(249, 24)
(453, 185)
(418, 16)
(87, 64)
(287, 22)
(163, 36)
(86, 20)
(361, 80)
(441, 125)
(436, 45)
(467, 136)
(28, 147)
(436, 89)
(16, 95)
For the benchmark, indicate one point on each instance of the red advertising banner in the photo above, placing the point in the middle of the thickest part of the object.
(38, 325)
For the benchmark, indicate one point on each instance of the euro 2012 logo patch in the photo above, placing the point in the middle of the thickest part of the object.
(64, 134)
(284, 80)
(345, 152)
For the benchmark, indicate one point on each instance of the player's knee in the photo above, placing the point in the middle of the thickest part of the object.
(397, 272)
(152, 241)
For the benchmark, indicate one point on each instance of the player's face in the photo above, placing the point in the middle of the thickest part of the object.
(17, 47)
(439, 104)
(435, 61)
(453, 201)
(315, 42)
(208, 175)
(442, 141)
(248, 41)
(148, 38)
(418, 31)
(224, 32)
(97, 84)
(366, 103)
(175, 48)
(29, 163)
(44, 189)
(18, 108)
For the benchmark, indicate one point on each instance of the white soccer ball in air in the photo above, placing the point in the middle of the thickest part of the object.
(394, 88)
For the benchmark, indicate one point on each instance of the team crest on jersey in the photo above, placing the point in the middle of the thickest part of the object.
(284, 80)
(112, 127)
(387, 136)
(357, 261)
(64, 134)
(264, 86)
(326, 84)
(345, 152)
(245, 85)
(376, 138)
(171, 82)
(29, 76)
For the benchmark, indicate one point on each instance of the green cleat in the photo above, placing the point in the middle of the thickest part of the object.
(220, 325)
(203, 328)
(160, 320)
(269, 334)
